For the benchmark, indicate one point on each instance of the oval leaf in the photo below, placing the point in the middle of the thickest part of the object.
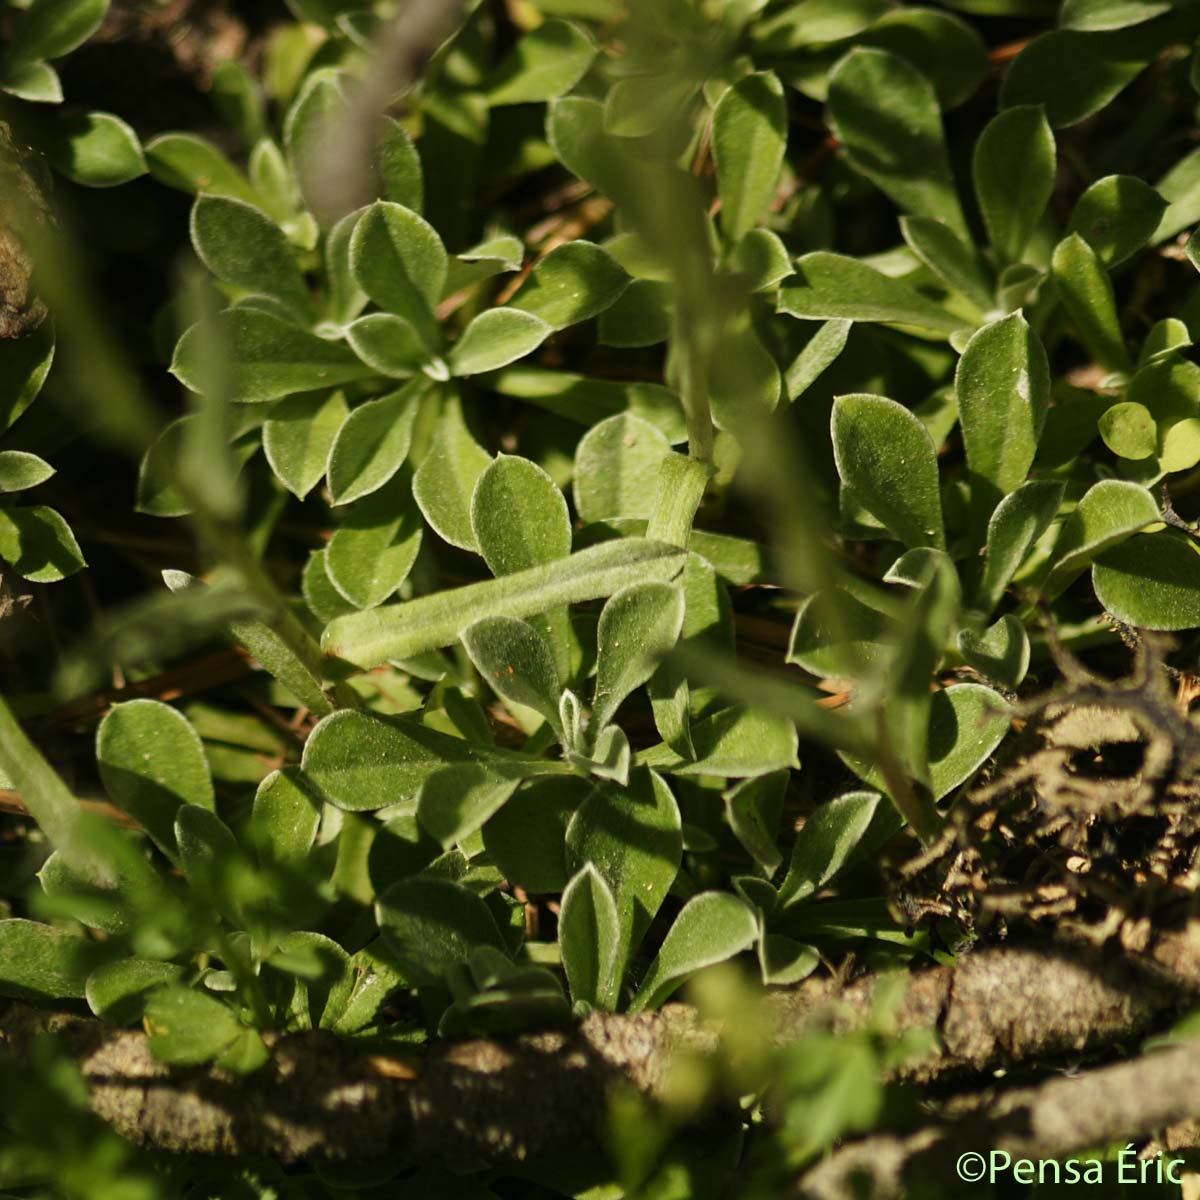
(710, 928)
(886, 455)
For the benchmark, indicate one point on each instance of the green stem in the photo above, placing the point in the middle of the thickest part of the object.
(693, 381)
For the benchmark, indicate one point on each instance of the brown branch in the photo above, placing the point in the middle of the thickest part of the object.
(327, 1098)
(1114, 1104)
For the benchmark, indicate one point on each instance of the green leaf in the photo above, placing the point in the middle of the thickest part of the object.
(1003, 389)
(192, 164)
(814, 23)
(1001, 652)
(828, 838)
(576, 133)
(52, 28)
(268, 358)
(836, 636)
(311, 123)
(1087, 295)
(38, 544)
(710, 928)
(762, 257)
(518, 662)
(492, 256)
(20, 470)
(95, 149)
(830, 286)
(784, 961)
(616, 466)
(735, 743)
(151, 762)
(285, 817)
(955, 261)
(743, 380)
(1108, 513)
(39, 962)
(1181, 445)
(390, 345)
(188, 1028)
(519, 516)
(35, 81)
(402, 631)
(948, 51)
(886, 455)
(632, 836)
(446, 478)
(1013, 168)
(753, 809)
(545, 63)
(496, 338)
(399, 164)
(749, 136)
(1152, 581)
(1019, 520)
(205, 845)
(359, 761)
(24, 364)
(431, 926)
(589, 401)
(1117, 216)
(966, 724)
(1129, 430)
(1170, 389)
(573, 283)
(372, 444)
(323, 599)
(399, 261)
(1072, 74)
(374, 548)
(589, 939)
(298, 435)
(638, 627)
(1165, 337)
(1092, 16)
(356, 1000)
(520, 520)
(819, 352)
(525, 838)
(117, 991)
(899, 145)
(346, 298)
(455, 801)
(242, 246)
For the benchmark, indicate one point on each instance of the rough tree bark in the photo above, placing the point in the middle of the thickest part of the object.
(322, 1097)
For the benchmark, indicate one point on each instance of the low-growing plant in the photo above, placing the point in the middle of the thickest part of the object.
(650, 395)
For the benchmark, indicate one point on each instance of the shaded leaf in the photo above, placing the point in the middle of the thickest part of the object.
(1013, 168)
(297, 437)
(374, 548)
(899, 145)
(431, 926)
(446, 478)
(829, 286)
(1151, 582)
(710, 928)
(151, 762)
(886, 455)
(589, 939)
(749, 137)
(268, 358)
